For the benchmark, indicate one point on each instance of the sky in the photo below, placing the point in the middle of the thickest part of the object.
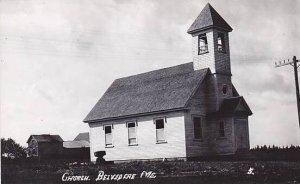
(58, 57)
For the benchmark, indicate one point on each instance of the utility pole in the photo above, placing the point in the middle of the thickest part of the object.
(294, 64)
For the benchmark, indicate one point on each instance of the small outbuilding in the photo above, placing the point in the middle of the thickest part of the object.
(45, 146)
(53, 147)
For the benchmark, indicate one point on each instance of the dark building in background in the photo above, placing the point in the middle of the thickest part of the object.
(45, 146)
(78, 149)
(53, 147)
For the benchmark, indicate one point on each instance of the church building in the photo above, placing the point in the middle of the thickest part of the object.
(184, 111)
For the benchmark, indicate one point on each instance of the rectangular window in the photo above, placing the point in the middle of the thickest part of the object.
(108, 135)
(222, 129)
(221, 43)
(202, 44)
(160, 130)
(197, 128)
(132, 136)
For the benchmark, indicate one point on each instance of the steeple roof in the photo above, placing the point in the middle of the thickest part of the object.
(209, 18)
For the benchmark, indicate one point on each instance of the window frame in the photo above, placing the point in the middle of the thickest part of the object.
(128, 137)
(164, 130)
(201, 127)
(221, 129)
(222, 46)
(224, 89)
(200, 52)
(112, 137)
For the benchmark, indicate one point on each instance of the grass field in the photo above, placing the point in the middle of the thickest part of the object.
(165, 172)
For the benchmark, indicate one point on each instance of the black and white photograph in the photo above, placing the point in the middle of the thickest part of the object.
(150, 91)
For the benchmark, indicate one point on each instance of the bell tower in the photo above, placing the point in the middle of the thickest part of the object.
(211, 49)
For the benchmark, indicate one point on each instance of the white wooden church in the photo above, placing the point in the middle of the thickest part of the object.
(183, 111)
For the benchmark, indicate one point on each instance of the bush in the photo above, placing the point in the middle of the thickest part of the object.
(12, 150)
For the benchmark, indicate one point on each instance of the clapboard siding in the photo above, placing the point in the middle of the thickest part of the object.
(195, 147)
(206, 60)
(241, 129)
(198, 107)
(221, 59)
(147, 147)
(226, 144)
(211, 142)
(204, 100)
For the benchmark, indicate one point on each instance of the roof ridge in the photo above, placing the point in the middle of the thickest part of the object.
(155, 71)
(233, 97)
(210, 12)
(179, 74)
(44, 134)
(215, 16)
(83, 133)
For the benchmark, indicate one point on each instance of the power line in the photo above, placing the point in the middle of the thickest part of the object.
(295, 65)
(77, 48)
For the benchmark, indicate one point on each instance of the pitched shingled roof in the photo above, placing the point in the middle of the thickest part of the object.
(155, 91)
(46, 138)
(83, 137)
(229, 105)
(209, 18)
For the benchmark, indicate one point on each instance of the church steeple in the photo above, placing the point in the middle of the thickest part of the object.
(211, 49)
(211, 41)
